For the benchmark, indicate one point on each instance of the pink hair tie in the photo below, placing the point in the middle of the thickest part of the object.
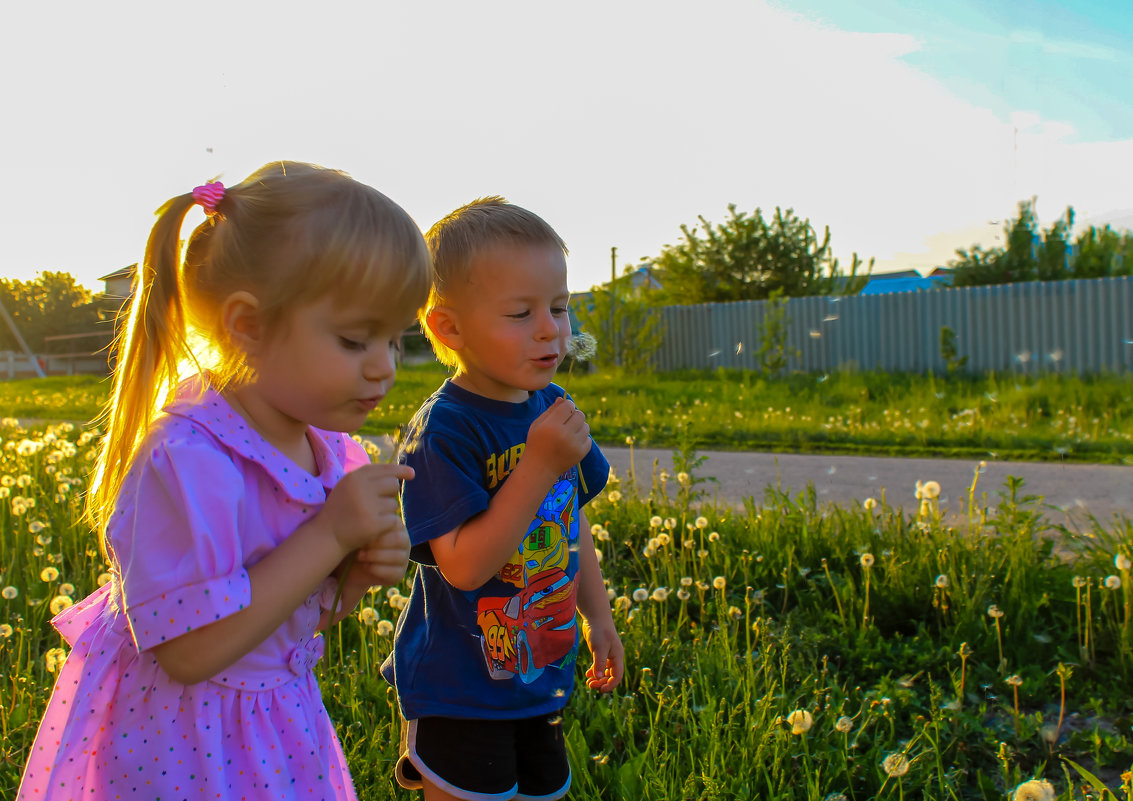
(209, 196)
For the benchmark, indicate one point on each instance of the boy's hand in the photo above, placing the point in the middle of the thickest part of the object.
(362, 511)
(609, 657)
(559, 438)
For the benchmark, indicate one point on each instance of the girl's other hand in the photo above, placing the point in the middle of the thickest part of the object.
(363, 508)
(609, 656)
(384, 561)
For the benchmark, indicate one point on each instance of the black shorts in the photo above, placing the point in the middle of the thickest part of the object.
(486, 760)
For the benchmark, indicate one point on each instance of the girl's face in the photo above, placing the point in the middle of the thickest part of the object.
(329, 364)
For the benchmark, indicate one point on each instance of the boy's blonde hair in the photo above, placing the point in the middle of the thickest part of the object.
(290, 234)
(457, 239)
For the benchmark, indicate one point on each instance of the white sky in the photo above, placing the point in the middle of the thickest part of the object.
(615, 121)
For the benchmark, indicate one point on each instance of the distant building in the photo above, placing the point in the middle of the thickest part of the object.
(120, 283)
(907, 281)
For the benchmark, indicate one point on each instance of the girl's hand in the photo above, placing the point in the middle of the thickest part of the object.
(559, 438)
(362, 510)
(609, 656)
(384, 560)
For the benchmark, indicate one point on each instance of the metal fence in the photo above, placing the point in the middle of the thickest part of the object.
(1083, 326)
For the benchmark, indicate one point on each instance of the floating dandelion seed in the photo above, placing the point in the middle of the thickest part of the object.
(815, 333)
(739, 348)
(800, 721)
(1034, 790)
(895, 765)
(830, 318)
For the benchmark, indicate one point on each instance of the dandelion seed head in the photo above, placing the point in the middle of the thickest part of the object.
(1113, 582)
(867, 560)
(670, 523)
(59, 603)
(641, 594)
(9, 592)
(655, 522)
(686, 581)
(869, 504)
(6, 631)
(660, 594)
(714, 536)
(683, 595)
(1034, 790)
(1078, 581)
(702, 523)
(719, 582)
(994, 611)
(844, 724)
(895, 765)
(582, 346)
(931, 490)
(1121, 562)
(1014, 680)
(48, 574)
(942, 581)
(54, 659)
(800, 721)
(384, 628)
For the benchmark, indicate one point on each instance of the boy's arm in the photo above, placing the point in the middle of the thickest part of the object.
(594, 605)
(475, 551)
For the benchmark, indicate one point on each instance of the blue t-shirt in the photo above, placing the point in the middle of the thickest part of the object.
(506, 650)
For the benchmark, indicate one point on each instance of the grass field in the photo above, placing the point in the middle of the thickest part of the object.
(1014, 417)
(790, 650)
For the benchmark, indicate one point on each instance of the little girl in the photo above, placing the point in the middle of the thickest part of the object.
(229, 501)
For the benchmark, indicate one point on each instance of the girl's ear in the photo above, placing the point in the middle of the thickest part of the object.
(240, 316)
(445, 326)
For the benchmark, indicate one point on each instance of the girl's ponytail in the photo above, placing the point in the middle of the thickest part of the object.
(150, 345)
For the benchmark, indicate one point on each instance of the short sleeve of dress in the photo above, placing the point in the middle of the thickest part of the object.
(175, 533)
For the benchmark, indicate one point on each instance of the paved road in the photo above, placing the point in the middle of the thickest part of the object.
(1075, 491)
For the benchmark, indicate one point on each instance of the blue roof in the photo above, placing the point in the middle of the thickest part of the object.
(883, 286)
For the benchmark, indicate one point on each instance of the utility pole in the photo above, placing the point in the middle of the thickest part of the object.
(613, 300)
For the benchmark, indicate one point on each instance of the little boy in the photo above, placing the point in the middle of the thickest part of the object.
(484, 653)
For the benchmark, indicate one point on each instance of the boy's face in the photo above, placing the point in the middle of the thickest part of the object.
(511, 321)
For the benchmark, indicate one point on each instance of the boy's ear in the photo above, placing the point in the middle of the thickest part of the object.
(445, 326)
(240, 316)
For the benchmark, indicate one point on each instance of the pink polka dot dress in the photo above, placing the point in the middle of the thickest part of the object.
(207, 498)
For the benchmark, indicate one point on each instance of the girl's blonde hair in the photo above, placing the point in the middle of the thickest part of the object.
(458, 238)
(290, 234)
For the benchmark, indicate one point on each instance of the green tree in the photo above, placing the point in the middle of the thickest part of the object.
(52, 304)
(625, 323)
(1045, 255)
(747, 257)
(773, 352)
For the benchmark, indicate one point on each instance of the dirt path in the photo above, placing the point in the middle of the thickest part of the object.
(1072, 492)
